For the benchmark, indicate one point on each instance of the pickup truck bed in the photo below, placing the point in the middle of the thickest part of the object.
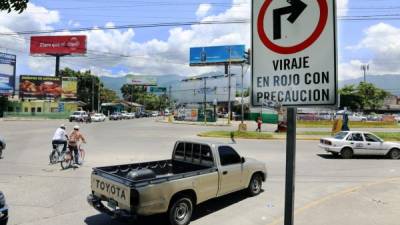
(164, 170)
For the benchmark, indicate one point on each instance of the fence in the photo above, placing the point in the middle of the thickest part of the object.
(55, 115)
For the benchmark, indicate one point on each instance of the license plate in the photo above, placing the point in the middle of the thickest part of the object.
(112, 204)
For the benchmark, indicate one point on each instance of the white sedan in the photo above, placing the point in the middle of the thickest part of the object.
(98, 117)
(349, 143)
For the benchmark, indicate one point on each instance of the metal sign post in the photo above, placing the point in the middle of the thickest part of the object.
(290, 165)
(294, 63)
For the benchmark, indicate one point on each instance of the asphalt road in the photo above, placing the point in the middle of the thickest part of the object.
(328, 190)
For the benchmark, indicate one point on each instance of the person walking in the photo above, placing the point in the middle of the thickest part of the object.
(74, 138)
(259, 123)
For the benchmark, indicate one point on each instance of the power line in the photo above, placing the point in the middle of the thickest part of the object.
(133, 26)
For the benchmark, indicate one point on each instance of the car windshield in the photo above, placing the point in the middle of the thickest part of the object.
(340, 135)
(77, 113)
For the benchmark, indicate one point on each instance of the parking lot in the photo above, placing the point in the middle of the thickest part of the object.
(329, 190)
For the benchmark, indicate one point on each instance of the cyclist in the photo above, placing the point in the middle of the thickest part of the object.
(74, 138)
(60, 137)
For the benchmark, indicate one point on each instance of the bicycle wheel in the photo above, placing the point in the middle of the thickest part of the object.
(54, 157)
(67, 161)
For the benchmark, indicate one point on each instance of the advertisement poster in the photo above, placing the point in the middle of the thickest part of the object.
(40, 87)
(58, 45)
(217, 55)
(7, 73)
(69, 88)
(140, 80)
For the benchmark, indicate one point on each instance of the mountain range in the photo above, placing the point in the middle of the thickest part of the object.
(390, 83)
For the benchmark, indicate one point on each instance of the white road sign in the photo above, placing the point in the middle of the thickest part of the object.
(294, 52)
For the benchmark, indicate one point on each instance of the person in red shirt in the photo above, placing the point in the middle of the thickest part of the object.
(259, 123)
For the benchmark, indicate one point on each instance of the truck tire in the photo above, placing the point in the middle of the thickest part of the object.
(347, 153)
(181, 210)
(255, 185)
(393, 154)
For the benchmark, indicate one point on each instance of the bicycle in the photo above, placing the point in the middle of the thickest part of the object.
(55, 154)
(68, 157)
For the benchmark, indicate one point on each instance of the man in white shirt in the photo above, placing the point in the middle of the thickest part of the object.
(60, 137)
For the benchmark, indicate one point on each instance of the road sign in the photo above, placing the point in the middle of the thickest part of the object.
(294, 52)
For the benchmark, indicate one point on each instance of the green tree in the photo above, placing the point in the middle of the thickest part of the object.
(13, 5)
(132, 93)
(108, 95)
(88, 88)
(372, 97)
(350, 98)
(361, 97)
(3, 105)
(140, 95)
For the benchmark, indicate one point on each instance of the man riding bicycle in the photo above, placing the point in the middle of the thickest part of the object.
(74, 138)
(60, 137)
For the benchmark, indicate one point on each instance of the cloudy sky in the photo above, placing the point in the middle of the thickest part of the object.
(369, 32)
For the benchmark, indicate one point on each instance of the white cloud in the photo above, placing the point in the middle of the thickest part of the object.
(343, 7)
(202, 10)
(383, 42)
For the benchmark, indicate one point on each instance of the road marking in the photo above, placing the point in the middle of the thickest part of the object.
(334, 195)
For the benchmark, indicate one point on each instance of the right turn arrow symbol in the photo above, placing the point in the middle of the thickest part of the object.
(295, 9)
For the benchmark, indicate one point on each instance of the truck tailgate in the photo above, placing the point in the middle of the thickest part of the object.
(111, 190)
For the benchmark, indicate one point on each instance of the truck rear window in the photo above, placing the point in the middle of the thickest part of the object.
(194, 153)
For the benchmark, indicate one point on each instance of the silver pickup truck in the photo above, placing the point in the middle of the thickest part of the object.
(197, 172)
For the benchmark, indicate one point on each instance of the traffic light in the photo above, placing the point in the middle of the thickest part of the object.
(247, 56)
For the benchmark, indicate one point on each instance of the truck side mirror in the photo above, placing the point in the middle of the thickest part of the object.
(243, 160)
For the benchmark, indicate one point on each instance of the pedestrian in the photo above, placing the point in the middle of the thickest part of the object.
(259, 122)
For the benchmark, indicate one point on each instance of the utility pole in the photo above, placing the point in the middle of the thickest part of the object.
(365, 68)
(205, 100)
(242, 96)
(98, 98)
(92, 93)
(229, 87)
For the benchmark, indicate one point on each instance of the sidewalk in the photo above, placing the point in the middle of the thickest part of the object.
(369, 204)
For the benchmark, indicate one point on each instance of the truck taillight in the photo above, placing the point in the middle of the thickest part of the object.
(134, 197)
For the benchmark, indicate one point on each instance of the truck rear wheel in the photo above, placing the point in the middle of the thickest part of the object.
(181, 211)
(255, 185)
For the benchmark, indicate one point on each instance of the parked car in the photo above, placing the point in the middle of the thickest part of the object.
(357, 117)
(397, 118)
(154, 113)
(78, 116)
(3, 210)
(2, 147)
(352, 143)
(197, 172)
(98, 117)
(131, 115)
(125, 115)
(116, 116)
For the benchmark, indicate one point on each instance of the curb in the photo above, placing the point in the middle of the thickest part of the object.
(196, 123)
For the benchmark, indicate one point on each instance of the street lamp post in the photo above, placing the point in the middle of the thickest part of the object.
(365, 68)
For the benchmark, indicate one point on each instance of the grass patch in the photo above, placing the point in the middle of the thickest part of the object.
(389, 136)
(306, 135)
(352, 124)
(237, 134)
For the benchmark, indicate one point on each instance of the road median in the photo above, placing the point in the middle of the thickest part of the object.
(306, 135)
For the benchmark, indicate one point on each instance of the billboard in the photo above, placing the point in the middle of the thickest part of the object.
(7, 73)
(69, 87)
(158, 90)
(39, 87)
(192, 90)
(140, 80)
(217, 55)
(58, 45)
